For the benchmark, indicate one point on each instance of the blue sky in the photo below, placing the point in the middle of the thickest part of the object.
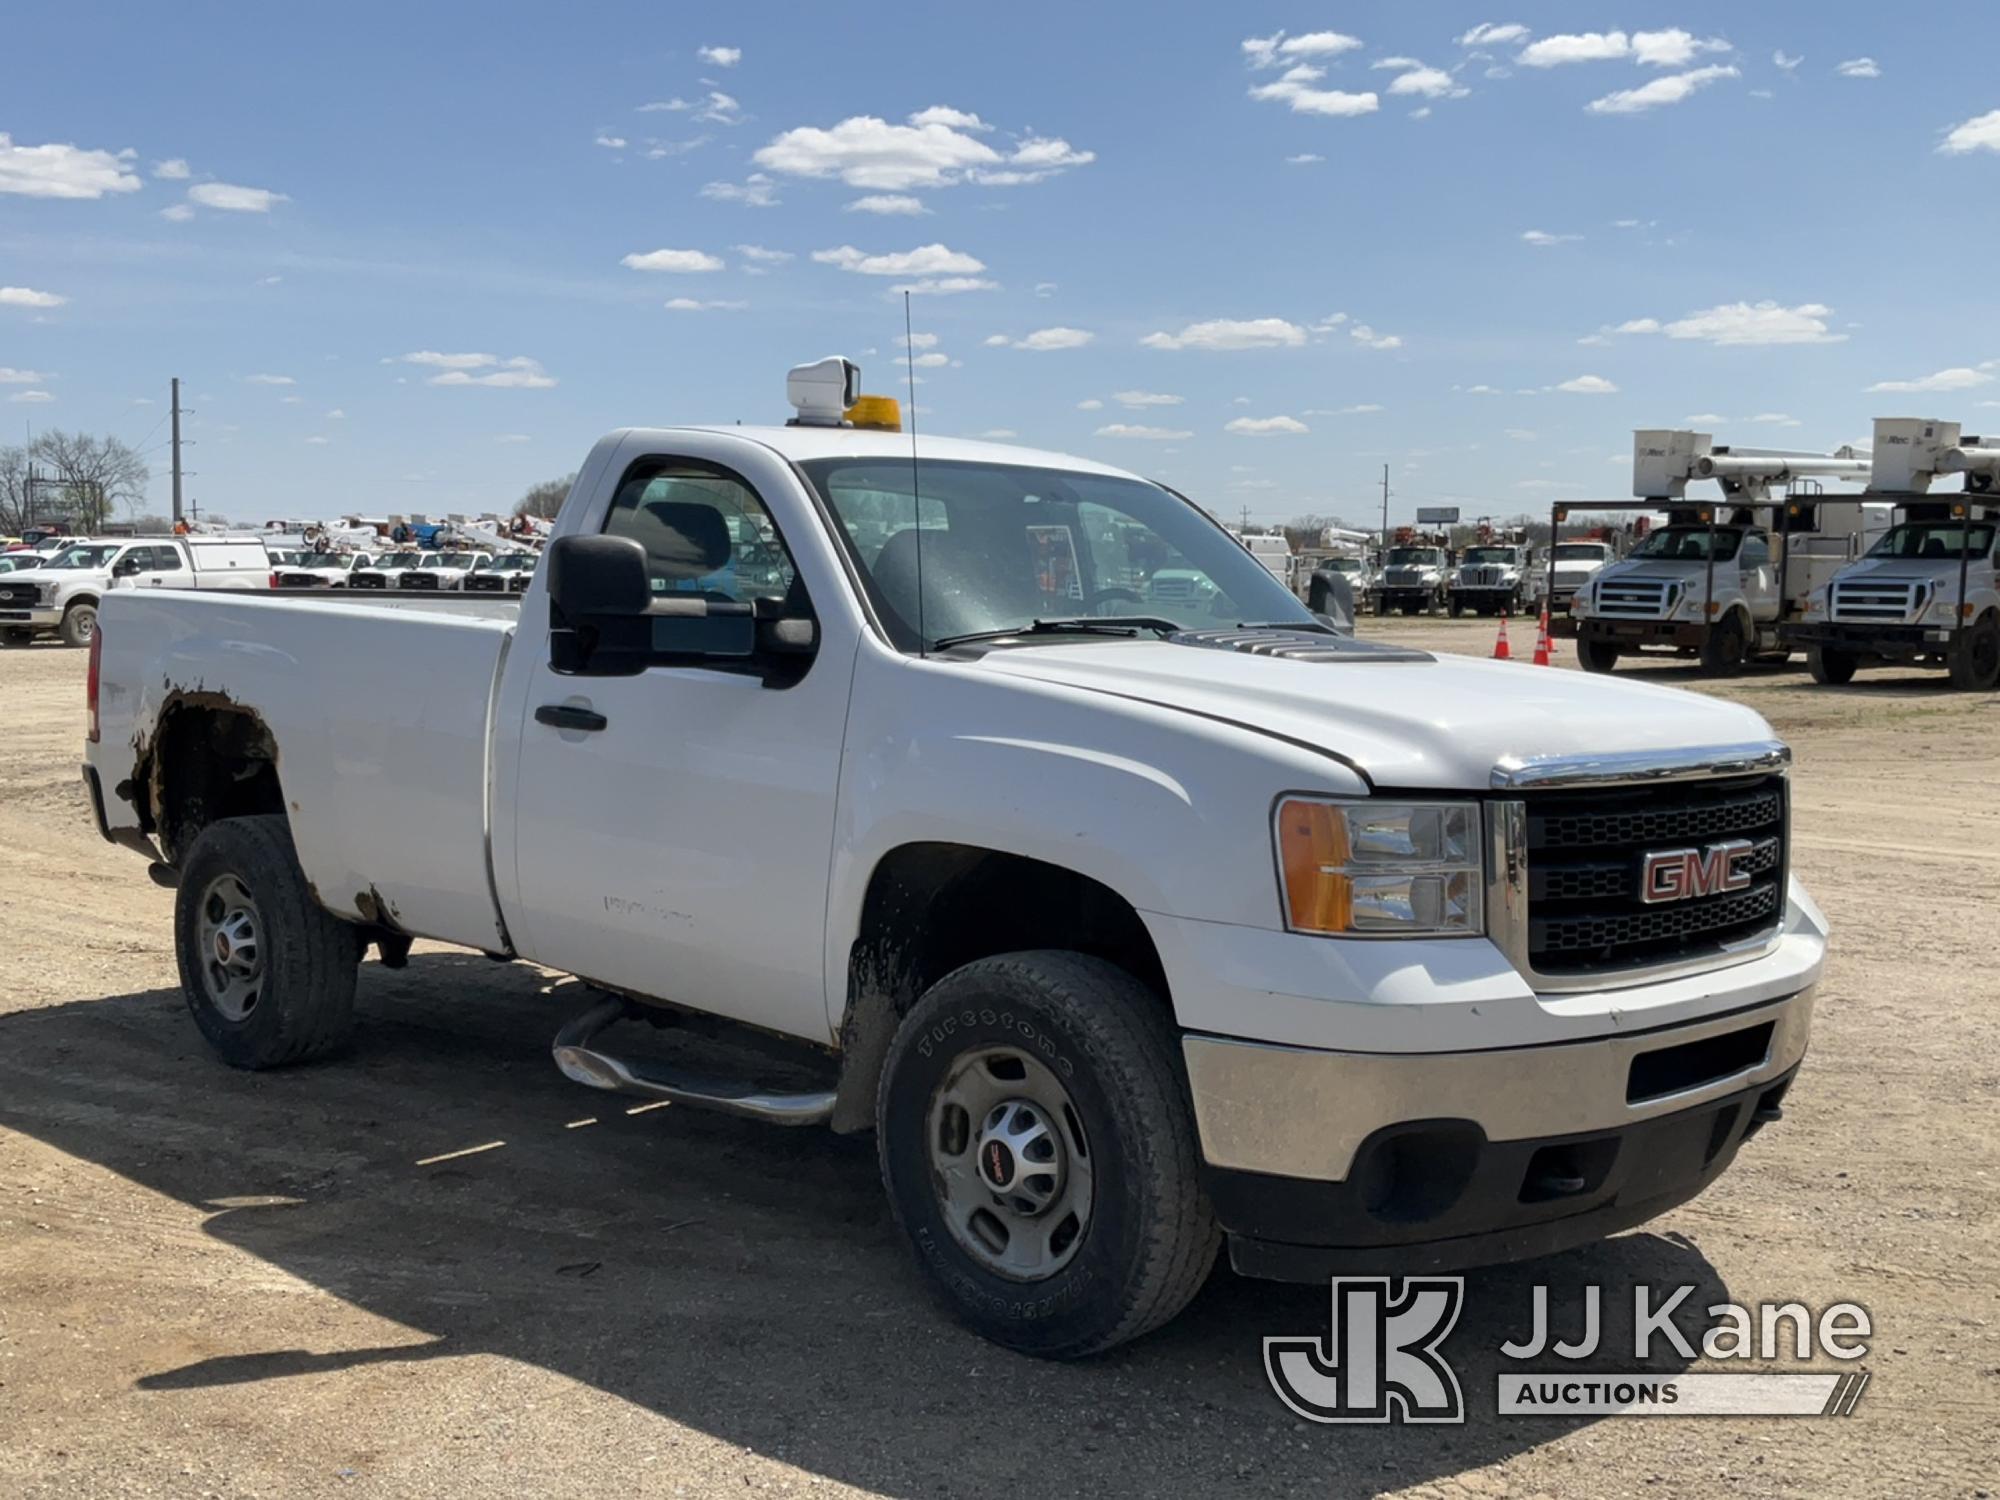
(1277, 245)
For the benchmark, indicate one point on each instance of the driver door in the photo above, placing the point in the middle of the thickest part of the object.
(1759, 578)
(673, 828)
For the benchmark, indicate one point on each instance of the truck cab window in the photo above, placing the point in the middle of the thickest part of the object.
(704, 530)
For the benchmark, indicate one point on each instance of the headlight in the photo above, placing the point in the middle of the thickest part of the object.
(1381, 869)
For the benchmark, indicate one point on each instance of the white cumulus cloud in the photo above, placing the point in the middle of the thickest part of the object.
(1231, 333)
(1136, 399)
(1750, 323)
(1490, 34)
(231, 198)
(269, 380)
(518, 373)
(695, 304)
(1428, 83)
(1541, 238)
(1150, 434)
(1588, 385)
(64, 171)
(720, 57)
(888, 204)
(1295, 89)
(31, 398)
(1980, 133)
(1859, 67)
(27, 296)
(678, 261)
(925, 260)
(937, 148)
(174, 169)
(754, 191)
(1265, 426)
(1588, 46)
(1958, 378)
(1271, 51)
(1673, 48)
(1043, 340)
(1671, 89)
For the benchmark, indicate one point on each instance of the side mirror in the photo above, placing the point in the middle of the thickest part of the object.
(125, 567)
(597, 576)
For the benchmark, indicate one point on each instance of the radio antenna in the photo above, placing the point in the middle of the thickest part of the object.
(916, 497)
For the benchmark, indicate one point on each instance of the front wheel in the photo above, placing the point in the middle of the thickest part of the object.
(19, 635)
(1724, 648)
(1039, 1151)
(268, 973)
(1456, 608)
(1974, 656)
(1597, 656)
(1830, 666)
(79, 624)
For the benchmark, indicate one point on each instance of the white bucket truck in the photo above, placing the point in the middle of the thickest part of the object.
(1718, 579)
(1924, 594)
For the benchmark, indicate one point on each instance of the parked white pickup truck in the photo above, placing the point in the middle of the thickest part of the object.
(62, 596)
(1130, 927)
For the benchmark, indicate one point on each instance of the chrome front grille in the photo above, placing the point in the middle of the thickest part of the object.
(1890, 600)
(1633, 598)
(1584, 851)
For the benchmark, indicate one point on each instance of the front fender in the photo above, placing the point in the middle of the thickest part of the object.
(1169, 810)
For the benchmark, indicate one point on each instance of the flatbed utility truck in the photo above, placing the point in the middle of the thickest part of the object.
(1132, 928)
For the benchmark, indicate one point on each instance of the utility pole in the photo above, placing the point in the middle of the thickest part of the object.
(1385, 505)
(176, 384)
(1246, 520)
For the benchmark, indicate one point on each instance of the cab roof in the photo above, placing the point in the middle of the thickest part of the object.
(801, 444)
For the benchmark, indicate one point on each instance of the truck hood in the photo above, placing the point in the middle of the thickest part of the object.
(1909, 569)
(1443, 723)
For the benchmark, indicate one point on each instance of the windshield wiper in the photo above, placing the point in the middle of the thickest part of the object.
(1123, 625)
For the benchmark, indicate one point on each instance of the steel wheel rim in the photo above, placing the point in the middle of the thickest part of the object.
(86, 621)
(1022, 1211)
(230, 947)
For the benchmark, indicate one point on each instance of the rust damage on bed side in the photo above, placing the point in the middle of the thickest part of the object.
(178, 792)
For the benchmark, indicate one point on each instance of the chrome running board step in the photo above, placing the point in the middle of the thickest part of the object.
(597, 1069)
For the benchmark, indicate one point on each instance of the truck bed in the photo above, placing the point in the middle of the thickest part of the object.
(381, 707)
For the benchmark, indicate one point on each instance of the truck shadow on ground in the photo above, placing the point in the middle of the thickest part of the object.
(746, 1281)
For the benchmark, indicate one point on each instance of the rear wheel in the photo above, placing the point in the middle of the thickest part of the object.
(1974, 656)
(1725, 647)
(1830, 666)
(268, 972)
(1039, 1150)
(1597, 656)
(79, 624)
(1456, 607)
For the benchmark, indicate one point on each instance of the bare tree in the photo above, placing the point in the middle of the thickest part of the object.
(83, 476)
(544, 499)
(13, 491)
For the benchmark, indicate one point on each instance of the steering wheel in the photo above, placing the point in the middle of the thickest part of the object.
(1114, 592)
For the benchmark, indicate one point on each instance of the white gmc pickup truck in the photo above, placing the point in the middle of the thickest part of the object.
(1130, 927)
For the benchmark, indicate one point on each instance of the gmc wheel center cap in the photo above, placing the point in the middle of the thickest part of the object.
(996, 1162)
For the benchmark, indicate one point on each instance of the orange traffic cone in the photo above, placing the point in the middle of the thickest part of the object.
(1542, 644)
(1500, 651)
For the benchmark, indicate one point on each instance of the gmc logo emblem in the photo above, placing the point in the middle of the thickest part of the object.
(1683, 874)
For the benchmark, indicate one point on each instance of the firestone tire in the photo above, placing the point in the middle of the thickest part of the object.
(1830, 666)
(79, 624)
(1107, 1044)
(290, 997)
(1974, 656)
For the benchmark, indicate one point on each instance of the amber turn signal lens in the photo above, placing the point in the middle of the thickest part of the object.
(1312, 846)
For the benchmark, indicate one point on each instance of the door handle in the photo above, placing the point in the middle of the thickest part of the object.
(566, 716)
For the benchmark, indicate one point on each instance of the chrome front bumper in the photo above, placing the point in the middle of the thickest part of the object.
(1303, 1112)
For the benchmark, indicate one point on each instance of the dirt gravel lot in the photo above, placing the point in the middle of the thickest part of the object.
(293, 1284)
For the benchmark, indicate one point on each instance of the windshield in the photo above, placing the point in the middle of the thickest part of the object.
(1934, 539)
(1489, 554)
(1579, 552)
(401, 560)
(83, 557)
(512, 564)
(1688, 544)
(1412, 557)
(322, 560)
(458, 559)
(1343, 564)
(999, 546)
